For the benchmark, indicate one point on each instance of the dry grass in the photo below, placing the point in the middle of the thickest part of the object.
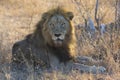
(18, 17)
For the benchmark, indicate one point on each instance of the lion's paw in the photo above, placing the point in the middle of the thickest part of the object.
(95, 70)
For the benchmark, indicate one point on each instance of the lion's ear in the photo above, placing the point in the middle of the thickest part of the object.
(70, 15)
(45, 16)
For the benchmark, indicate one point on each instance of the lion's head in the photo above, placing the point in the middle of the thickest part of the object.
(57, 27)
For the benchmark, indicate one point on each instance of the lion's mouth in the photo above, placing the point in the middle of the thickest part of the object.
(58, 42)
(58, 39)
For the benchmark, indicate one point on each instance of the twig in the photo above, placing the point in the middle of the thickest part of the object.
(96, 13)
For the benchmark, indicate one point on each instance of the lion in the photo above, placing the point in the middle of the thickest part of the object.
(53, 42)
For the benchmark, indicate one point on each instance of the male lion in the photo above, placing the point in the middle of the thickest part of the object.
(53, 42)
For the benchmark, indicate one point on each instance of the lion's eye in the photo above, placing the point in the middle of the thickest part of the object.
(63, 24)
(51, 24)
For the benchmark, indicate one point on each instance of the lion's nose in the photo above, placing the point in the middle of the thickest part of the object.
(57, 35)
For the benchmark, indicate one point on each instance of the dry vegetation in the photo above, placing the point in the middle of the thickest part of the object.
(18, 17)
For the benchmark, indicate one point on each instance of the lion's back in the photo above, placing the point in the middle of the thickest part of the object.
(26, 51)
(19, 50)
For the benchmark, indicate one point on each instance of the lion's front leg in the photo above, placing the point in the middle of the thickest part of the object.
(82, 65)
(88, 61)
(89, 69)
(87, 64)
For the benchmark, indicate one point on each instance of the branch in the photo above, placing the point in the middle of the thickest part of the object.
(96, 12)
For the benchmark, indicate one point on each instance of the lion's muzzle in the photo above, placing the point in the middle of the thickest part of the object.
(58, 39)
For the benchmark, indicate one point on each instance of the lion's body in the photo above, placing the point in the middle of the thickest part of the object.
(54, 36)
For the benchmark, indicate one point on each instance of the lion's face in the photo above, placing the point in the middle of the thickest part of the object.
(57, 27)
